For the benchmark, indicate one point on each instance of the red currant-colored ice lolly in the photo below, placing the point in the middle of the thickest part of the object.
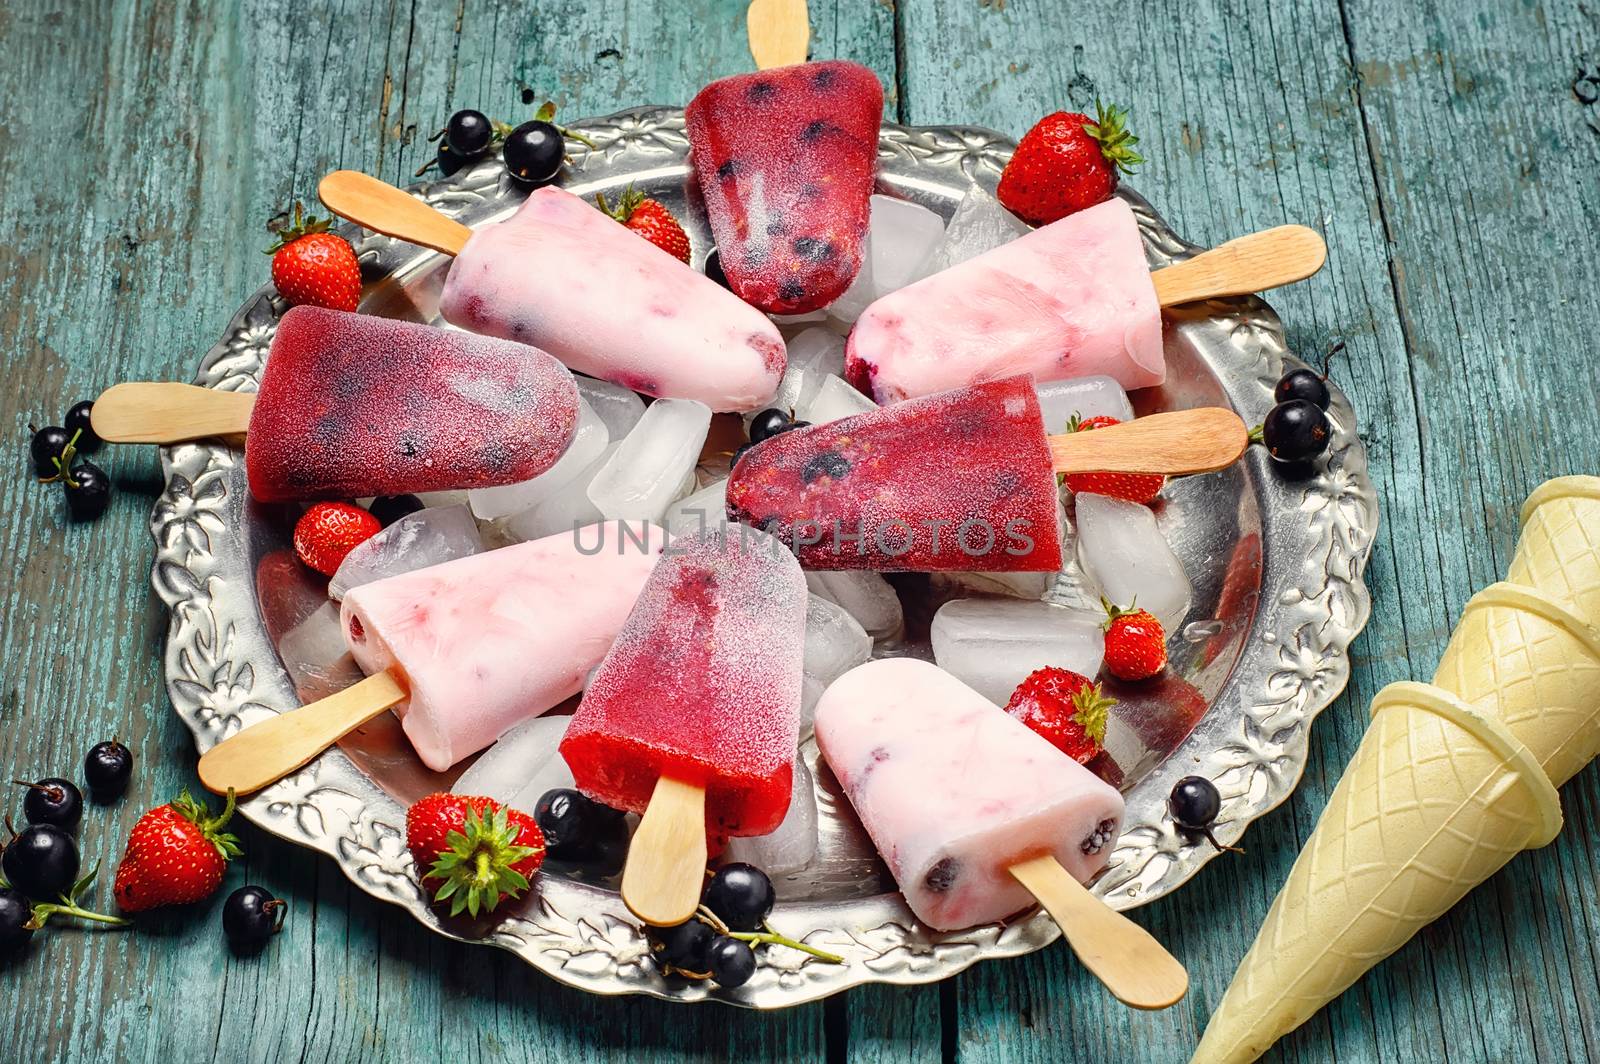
(786, 159)
(352, 405)
(698, 701)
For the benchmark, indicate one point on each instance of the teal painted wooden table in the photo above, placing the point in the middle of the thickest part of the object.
(1449, 151)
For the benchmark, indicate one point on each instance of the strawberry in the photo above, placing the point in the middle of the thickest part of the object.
(1134, 487)
(176, 855)
(1136, 647)
(1068, 162)
(329, 531)
(313, 267)
(649, 219)
(477, 850)
(1064, 707)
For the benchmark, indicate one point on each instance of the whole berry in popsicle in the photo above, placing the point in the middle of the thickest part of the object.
(1135, 487)
(1065, 707)
(1136, 646)
(329, 531)
(649, 219)
(1068, 162)
(313, 266)
(176, 854)
(472, 851)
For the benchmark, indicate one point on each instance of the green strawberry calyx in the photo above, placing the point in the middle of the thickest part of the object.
(1090, 707)
(1110, 128)
(478, 867)
(627, 203)
(199, 814)
(289, 229)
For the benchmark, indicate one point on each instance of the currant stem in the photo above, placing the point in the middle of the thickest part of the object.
(777, 938)
(44, 910)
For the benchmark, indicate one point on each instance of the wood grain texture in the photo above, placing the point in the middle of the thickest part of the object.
(1447, 152)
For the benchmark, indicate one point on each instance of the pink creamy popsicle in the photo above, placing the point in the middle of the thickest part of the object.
(954, 790)
(1071, 299)
(563, 276)
(485, 642)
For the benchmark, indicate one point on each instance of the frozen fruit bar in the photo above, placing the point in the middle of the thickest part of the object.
(703, 685)
(785, 159)
(1072, 299)
(564, 276)
(485, 642)
(953, 790)
(959, 481)
(351, 406)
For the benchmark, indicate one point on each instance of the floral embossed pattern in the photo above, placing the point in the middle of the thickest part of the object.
(223, 672)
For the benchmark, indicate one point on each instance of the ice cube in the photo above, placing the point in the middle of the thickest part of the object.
(1085, 397)
(787, 320)
(848, 307)
(835, 644)
(646, 474)
(316, 656)
(904, 234)
(416, 541)
(1124, 555)
(835, 400)
(981, 223)
(706, 508)
(442, 498)
(813, 355)
(568, 508)
(865, 596)
(793, 843)
(993, 644)
(587, 443)
(620, 408)
(504, 770)
(1015, 585)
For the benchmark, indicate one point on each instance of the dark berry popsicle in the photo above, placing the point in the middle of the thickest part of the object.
(958, 481)
(786, 159)
(351, 406)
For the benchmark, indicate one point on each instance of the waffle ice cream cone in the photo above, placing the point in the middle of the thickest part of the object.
(1559, 552)
(1523, 657)
(1437, 798)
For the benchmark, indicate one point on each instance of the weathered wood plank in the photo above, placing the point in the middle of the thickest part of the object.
(189, 124)
(1251, 116)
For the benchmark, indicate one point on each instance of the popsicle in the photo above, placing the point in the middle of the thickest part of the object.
(961, 481)
(462, 651)
(786, 160)
(693, 716)
(561, 275)
(352, 405)
(1071, 299)
(976, 815)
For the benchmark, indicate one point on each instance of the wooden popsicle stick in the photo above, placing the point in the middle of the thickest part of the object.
(161, 412)
(378, 205)
(666, 867)
(266, 752)
(780, 32)
(1254, 263)
(1133, 965)
(1174, 443)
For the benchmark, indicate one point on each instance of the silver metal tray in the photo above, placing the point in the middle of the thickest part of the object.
(1276, 565)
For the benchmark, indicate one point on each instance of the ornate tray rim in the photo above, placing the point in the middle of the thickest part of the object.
(222, 672)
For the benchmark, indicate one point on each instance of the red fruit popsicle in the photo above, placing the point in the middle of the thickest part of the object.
(961, 481)
(702, 685)
(786, 159)
(351, 405)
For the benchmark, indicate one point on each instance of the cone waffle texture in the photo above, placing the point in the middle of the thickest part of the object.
(1559, 552)
(1523, 657)
(1451, 780)
(1437, 798)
